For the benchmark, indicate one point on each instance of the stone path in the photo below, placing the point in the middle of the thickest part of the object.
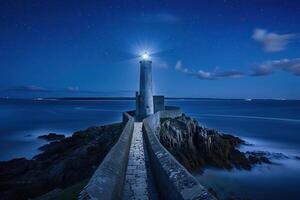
(138, 184)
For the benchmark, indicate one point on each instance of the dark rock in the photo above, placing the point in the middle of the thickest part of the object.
(63, 163)
(276, 155)
(265, 157)
(237, 198)
(258, 157)
(297, 157)
(50, 195)
(52, 136)
(213, 192)
(196, 147)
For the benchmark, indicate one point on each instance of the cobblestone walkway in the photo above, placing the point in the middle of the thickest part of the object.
(137, 184)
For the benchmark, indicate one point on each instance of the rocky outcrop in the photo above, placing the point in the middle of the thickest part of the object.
(195, 146)
(52, 136)
(62, 163)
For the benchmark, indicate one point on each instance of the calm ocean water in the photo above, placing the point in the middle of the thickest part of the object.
(269, 125)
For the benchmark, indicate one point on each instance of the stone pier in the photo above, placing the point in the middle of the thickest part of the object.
(138, 167)
(138, 181)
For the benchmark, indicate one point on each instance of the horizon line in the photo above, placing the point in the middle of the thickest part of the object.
(133, 97)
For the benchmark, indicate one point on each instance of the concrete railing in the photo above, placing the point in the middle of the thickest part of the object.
(108, 180)
(173, 180)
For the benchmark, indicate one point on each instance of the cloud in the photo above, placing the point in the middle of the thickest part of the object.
(76, 89)
(215, 75)
(156, 18)
(98, 92)
(163, 17)
(266, 68)
(288, 65)
(32, 90)
(178, 65)
(272, 42)
(27, 88)
(162, 65)
(72, 89)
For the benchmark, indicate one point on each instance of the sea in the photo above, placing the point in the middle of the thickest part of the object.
(265, 125)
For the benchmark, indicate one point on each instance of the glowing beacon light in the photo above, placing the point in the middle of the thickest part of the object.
(145, 56)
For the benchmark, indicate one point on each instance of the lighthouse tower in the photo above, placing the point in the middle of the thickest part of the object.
(145, 105)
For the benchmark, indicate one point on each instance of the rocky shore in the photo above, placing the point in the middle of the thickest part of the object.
(69, 162)
(196, 147)
(62, 163)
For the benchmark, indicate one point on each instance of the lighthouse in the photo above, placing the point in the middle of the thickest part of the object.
(145, 105)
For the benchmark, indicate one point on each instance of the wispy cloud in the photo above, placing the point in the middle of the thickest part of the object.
(72, 89)
(214, 75)
(33, 89)
(266, 68)
(76, 89)
(162, 65)
(270, 41)
(156, 18)
(27, 88)
(288, 65)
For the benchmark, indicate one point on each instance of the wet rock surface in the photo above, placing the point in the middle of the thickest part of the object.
(62, 163)
(52, 136)
(196, 147)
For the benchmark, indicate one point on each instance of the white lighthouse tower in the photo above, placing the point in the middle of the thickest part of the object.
(145, 107)
(146, 103)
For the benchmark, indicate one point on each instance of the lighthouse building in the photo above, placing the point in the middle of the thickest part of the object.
(146, 103)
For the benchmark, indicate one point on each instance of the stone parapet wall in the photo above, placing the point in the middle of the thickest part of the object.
(172, 179)
(153, 121)
(108, 180)
(127, 116)
(170, 111)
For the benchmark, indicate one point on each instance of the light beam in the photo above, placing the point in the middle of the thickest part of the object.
(145, 56)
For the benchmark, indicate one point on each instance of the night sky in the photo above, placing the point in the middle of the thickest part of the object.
(216, 49)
